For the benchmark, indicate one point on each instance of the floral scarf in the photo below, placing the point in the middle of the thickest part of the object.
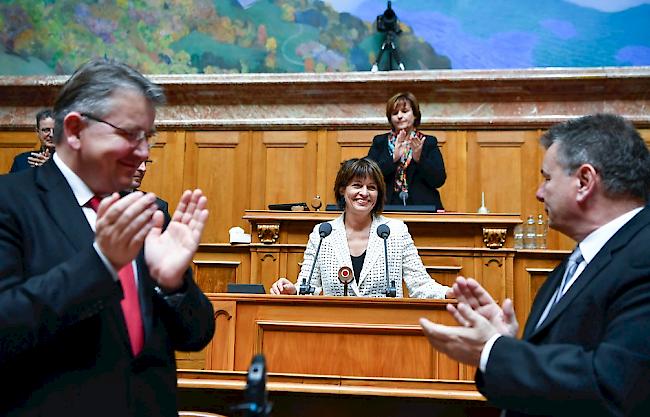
(400, 174)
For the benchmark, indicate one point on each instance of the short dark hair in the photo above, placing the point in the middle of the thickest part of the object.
(90, 90)
(42, 115)
(360, 168)
(611, 145)
(399, 100)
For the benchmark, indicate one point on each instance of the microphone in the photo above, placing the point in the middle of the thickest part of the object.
(404, 195)
(255, 396)
(324, 230)
(384, 231)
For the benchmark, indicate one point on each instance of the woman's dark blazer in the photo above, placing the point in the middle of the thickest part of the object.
(423, 177)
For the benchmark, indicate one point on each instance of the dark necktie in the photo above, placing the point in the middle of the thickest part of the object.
(571, 266)
(130, 303)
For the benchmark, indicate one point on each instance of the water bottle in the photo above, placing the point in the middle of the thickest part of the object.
(541, 232)
(529, 233)
(519, 236)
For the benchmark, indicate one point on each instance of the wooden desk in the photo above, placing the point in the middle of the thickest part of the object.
(450, 244)
(321, 347)
(370, 339)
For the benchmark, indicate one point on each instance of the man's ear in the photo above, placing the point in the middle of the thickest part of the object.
(73, 124)
(588, 180)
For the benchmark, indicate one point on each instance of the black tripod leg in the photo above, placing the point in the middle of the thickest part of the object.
(375, 66)
(393, 50)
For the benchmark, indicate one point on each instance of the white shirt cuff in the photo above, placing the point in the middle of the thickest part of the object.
(106, 262)
(485, 353)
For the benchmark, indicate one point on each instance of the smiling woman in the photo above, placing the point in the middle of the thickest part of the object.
(378, 251)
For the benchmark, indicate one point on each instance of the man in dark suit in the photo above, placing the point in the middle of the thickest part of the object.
(94, 296)
(44, 131)
(138, 177)
(585, 348)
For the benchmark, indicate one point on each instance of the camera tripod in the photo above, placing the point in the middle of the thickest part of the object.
(393, 54)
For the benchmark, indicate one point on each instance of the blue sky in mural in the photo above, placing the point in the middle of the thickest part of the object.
(521, 34)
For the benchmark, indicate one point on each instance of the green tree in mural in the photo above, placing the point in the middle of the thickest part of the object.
(189, 36)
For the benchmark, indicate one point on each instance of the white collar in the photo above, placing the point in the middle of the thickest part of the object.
(81, 191)
(599, 237)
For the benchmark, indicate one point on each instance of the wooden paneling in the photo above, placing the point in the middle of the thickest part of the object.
(284, 167)
(13, 143)
(218, 163)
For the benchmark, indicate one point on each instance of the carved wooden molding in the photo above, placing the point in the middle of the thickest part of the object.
(268, 233)
(494, 238)
(223, 313)
(268, 255)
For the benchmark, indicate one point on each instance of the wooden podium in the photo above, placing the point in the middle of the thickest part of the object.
(340, 349)
(351, 356)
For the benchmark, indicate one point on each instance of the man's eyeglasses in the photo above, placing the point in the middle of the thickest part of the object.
(135, 137)
(45, 130)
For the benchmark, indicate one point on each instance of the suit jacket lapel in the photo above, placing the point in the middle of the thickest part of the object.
(585, 278)
(59, 201)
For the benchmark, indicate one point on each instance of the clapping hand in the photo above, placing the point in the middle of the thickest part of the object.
(36, 159)
(470, 292)
(480, 318)
(169, 253)
(122, 225)
(400, 145)
(417, 143)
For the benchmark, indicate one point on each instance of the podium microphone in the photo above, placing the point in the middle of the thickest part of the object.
(324, 230)
(404, 195)
(256, 402)
(383, 231)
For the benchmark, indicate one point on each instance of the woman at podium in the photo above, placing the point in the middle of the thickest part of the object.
(347, 256)
(410, 161)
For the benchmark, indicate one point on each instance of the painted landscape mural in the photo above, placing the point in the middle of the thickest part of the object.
(262, 36)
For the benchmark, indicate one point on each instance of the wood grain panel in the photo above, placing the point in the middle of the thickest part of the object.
(218, 163)
(214, 276)
(289, 166)
(266, 266)
(499, 161)
(165, 174)
(13, 143)
(346, 349)
(453, 146)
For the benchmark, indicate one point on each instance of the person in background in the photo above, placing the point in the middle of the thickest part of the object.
(354, 244)
(585, 348)
(410, 161)
(95, 297)
(138, 177)
(44, 131)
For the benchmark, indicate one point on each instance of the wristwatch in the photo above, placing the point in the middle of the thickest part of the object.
(173, 296)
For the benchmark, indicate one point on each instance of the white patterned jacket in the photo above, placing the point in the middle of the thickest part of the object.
(404, 263)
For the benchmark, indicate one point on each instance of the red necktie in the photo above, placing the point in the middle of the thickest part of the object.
(131, 303)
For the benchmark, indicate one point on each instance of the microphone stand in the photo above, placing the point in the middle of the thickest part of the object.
(384, 231)
(391, 291)
(306, 288)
